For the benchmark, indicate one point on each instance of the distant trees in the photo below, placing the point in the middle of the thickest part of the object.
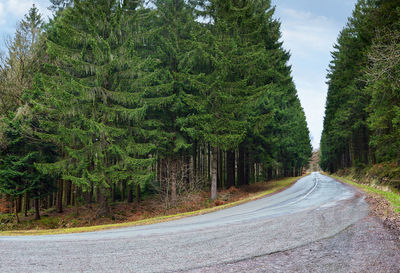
(361, 118)
(18, 69)
(167, 97)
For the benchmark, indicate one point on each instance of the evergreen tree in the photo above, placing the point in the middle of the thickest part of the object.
(167, 79)
(361, 117)
(18, 156)
(127, 90)
(93, 111)
(347, 142)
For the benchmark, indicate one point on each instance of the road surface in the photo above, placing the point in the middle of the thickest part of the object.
(316, 207)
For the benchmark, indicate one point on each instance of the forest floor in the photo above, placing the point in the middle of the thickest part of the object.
(148, 211)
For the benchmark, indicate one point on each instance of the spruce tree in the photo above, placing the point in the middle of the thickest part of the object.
(166, 80)
(93, 110)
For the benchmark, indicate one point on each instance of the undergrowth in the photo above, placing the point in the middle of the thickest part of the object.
(392, 197)
(149, 212)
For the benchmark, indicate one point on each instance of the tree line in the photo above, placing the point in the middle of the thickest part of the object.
(362, 117)
(113, 99)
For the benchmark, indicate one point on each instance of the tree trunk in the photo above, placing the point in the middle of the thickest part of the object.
(257, 176)
(60, 196)
(241, 167)
(113, 193)
(138, 193)
(50, 200)
(195, 160)
(214, 174)
(68, 192)
(230, 164)
(16, 210)
(187, 172)
(247, 168)
(26, 203)
(158, 171)
(19, 204)
(174, 167)
(219, 170)
(123, 189)
(104, 209)
(73, 194)
(37, 209)
(130, 194)
(209, 162)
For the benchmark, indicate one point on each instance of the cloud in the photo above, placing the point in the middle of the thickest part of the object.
(303, 32)
(309, 38)
(18, 8)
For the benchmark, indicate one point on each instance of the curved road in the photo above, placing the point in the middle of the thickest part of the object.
(316, 207)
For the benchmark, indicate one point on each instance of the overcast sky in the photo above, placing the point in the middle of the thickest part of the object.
(309, 30)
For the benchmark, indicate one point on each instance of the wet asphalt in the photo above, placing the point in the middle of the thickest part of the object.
(316, 207)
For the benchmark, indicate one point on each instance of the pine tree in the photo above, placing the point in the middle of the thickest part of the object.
(93, 111)
(383, 84)
(20, 149)
(166, 81)
(18, 157)
(360, 125)
(346, 136)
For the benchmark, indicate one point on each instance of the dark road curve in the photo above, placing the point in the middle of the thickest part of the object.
(316, 207)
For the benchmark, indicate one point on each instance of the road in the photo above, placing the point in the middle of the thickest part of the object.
(316, 207)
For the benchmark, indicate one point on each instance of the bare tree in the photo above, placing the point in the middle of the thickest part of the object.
(177, 181)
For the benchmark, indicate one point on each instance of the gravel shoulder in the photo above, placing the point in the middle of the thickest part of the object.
(372, 244)
(366, 246)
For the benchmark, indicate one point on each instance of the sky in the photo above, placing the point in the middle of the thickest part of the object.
(309, 31)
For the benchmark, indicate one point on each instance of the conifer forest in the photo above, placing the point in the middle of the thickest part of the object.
(117, 100)
(362, 117)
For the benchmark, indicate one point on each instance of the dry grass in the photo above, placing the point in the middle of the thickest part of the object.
(75, 220)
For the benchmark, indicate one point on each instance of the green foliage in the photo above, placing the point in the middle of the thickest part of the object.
(18, 174)
(16, 71)
(360, 125)
(120, 91)
(390, 196)
(92, 112)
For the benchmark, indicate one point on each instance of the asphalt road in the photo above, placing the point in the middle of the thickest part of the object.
(316, 207)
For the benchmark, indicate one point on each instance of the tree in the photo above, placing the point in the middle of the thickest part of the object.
(168, 81)
(17, 72)
(383, 85)
(18, 156)
(93, 111)
(345, 142)
(360, 125)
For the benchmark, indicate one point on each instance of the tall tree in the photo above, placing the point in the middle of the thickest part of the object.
(19, 66)
(360, 125)
(94, 112)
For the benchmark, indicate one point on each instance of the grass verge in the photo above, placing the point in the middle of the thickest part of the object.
(276, 186)
(393, 198)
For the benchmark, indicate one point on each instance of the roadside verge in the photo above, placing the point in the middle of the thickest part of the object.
(383, 204)
(279, 186)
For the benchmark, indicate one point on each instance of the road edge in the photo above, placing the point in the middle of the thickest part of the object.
(150, 221)
(379, 206)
